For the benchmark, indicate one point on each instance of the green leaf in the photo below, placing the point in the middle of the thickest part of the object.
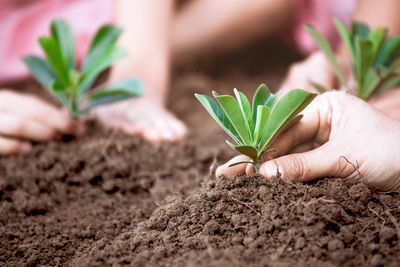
(244, 107)
(346, 37)
(249, 151)
(232, 110)
(41, 70)
(219, 116)
(55, 58)
(395, 81)
(364, 59)
(261, 97)
(285, 110)
(271, 101)
(105, 37)
(389, 49)
(372, 79)
(125, 89)
(319, 87)
(323, 44)
(102, 62)
(377, 36)
(359, 29)
(59, 92)
(240, 162)
(61, 32)
(289, 123)
(262, 117)
(395, 66)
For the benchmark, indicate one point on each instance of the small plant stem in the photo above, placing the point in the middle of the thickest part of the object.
(257, 165)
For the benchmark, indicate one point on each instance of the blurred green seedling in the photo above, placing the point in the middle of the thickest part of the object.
(58, 73)
(253, 128)
(375, 67)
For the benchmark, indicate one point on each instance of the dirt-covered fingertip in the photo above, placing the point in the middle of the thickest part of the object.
(271, 170)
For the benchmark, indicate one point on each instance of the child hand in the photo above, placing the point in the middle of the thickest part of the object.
(314, 68)
(345, 137)
(144, 117)
(24, 119)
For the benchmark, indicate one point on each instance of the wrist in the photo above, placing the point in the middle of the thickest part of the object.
(155, 79)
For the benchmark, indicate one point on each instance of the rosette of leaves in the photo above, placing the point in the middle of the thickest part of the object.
(58, 73)
(375, 67)
(253, 128)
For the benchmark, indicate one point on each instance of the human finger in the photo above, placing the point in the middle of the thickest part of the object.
(226, 170)
(17, 126)
(9, 146)
(39, 110)
(324, 161)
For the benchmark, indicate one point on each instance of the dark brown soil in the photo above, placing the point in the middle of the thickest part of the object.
(112, 199)
(254, 222)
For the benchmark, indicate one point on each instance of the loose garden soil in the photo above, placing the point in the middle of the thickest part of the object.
(110, 199)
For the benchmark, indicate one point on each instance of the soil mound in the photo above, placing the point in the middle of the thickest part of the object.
(250, 221)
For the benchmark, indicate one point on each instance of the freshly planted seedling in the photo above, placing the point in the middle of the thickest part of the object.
(254, 128)
(59, 75)
(375, 66)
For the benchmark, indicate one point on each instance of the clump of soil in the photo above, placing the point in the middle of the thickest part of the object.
(250, 221)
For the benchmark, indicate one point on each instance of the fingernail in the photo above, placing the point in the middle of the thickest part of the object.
(250, 169)
(26, 147)
(271, 170)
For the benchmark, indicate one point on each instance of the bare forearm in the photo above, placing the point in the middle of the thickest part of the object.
(146, 34)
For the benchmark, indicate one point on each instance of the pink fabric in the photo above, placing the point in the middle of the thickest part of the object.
(23, 21)
(320, 14)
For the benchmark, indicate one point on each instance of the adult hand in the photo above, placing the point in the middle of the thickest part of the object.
(345, 137)
(24, 119)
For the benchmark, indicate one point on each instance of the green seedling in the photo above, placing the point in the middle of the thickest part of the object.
(375, 66)
(59, 75)
(254, 128)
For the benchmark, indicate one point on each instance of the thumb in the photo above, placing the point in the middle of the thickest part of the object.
(318, 163)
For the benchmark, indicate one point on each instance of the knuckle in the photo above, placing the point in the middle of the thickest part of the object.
(345, 168)
(296, 168)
